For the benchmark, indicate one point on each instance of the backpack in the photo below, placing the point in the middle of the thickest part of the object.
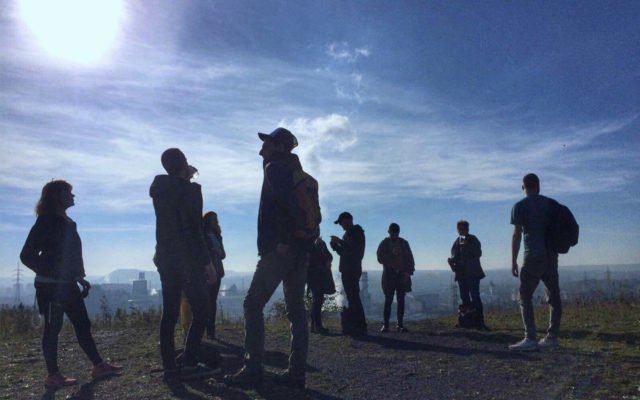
(305, 188)
(468, 317)
(563, 230)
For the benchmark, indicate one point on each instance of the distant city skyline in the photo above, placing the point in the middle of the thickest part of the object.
(420, 113)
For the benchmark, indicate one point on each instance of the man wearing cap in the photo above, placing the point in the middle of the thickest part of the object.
(351, 251)
(182, 260)
(282, 259)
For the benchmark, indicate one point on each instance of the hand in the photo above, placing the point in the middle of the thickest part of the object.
(450, 261)
(282, 249)
(335, 239)
(210, 273)
(514, 268)
(85, 287)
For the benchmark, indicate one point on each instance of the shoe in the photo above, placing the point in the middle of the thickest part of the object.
(401, 329)
(211, 335)
(171, 376)
(322, 330)
(58, 380)
(105, 369)
(384, 329)
(244, 377)
(197, 372)
(292, 380)
(525, 344)
(548, 342)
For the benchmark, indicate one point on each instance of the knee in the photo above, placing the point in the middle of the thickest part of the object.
(252, 306)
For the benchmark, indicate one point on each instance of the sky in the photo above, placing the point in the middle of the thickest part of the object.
(417, 112)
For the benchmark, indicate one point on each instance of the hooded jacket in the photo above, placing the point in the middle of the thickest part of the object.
(467, 258)
(278, 211)
(395, 255)
(351, 250)
(180, 238)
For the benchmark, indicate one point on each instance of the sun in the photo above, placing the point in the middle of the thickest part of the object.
(77, 31)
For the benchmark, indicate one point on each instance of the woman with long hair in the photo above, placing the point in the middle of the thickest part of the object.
(53, 250)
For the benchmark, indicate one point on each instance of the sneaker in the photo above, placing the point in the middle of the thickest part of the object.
(289, 379)
(105, 369)
(322, 330)
(525, 344)
(171, 376)
(58, 380)
(197, 372)
(211, 335)
(401, 329)
(548, 342)
(244, 377)
(384, 329)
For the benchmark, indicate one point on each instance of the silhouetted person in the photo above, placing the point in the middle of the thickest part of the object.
(319, 282)
(351, 251)
(53, 251)
(182, 259)
(213, 238)
(398, 265)
(283, 258)
(465, 262)
(530, 220)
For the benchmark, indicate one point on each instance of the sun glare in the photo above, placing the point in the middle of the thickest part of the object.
(79, 31)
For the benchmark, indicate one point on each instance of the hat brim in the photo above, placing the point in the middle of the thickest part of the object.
(263, 136)
(337, 221)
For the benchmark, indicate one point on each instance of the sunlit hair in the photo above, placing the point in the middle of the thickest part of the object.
(50, 201)
(531, 181)
(210, 222)
(463, 222)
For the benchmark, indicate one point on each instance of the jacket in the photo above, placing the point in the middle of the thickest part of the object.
(319, 277)
(467, 258)
(53, 249)
(179, 232)
(401, 262)
(278, 212)
(351, 251)
(216, 251)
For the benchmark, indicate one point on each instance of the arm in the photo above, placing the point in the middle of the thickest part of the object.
(380, 253)
(515, 248)
(410, 261)
(279, 178)
(31, 254)
(192, 217)
(474, 247)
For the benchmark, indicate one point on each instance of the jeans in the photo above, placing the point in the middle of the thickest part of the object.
(53, 318)
(470, 293)
(174, 282)
(388, 299)
(530, 276)
(351, 285)
(273, 268)
(213, 291)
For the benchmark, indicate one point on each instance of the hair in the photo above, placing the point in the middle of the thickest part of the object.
(463, 222)
(208, 219)
(173, 160)
(50, 201)
(531, 181)
(395, 228)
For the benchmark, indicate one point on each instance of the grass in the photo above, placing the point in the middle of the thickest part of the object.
(599, 358)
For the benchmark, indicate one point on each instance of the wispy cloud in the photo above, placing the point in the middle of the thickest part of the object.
(342, 51)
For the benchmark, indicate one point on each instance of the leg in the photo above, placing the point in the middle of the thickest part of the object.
(474, 291)
(53, 317)
(388, 299)
(171, 292)
(351, 284)
(293, 286)
(269, 273)
(316, 310)
(213, 307)
(195, 290)
(464, 291)
(400, 311)
(528, 285)
(552, 288)
(77, 313)
(185, 314)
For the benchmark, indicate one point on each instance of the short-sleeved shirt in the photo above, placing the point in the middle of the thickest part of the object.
(531, 213)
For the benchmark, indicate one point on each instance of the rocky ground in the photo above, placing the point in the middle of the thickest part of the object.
(599, 359)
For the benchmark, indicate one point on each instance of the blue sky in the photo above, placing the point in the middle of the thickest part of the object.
(420, 113)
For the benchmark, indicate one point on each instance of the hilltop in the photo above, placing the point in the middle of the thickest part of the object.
(599, 359)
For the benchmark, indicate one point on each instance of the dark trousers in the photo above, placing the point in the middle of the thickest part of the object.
(53, 317)
(316, 309)
(388, 300)
(470, 293)
(212, 291)
(351, 285)
(174, 282)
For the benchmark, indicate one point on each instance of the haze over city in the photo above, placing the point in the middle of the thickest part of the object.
(420, 113)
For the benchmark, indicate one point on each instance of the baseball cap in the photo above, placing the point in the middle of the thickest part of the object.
(280, 136)
(343, 215)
